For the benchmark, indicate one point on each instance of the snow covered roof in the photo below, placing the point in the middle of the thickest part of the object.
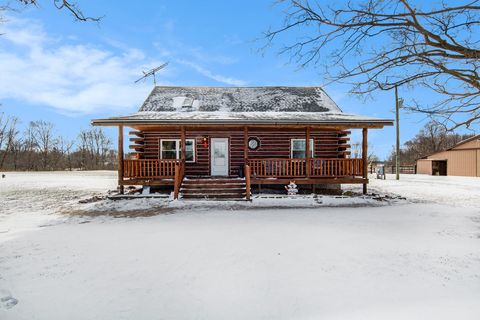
(240, 105)
(239, 99)
(243, 117)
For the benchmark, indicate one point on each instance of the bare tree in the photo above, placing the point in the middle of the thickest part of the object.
(44, 140)
(65, 147)
(430, 139)
(8, 129)
(70, 6)
(380, 44)
(102, 144)
(83, 145)
(15, 150)
(29, 149)
(38, 148)
(356, 152)
(95, 147)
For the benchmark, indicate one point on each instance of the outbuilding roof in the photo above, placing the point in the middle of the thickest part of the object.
(454, 148)
(473, 138)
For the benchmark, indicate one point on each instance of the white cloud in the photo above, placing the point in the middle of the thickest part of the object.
(209, 74)
(82, 78)
(197, 58)
(72, 78)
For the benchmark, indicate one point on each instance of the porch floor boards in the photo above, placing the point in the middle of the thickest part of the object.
(233, 180)
(303, 180)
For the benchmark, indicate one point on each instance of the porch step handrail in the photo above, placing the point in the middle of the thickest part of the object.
(179, 175)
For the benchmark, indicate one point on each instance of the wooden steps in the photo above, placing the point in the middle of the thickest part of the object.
(213, 188)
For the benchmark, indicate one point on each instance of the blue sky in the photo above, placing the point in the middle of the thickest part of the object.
(55, 69)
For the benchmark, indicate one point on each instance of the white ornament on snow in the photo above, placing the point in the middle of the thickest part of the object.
(291, 188)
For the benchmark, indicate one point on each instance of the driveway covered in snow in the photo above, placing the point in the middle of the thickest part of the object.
(414, 259)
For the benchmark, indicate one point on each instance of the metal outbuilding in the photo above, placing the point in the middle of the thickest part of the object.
(461, 160)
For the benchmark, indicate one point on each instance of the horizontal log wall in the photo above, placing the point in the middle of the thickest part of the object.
(273, 144)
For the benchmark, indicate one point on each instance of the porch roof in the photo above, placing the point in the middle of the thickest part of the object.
(218, 117)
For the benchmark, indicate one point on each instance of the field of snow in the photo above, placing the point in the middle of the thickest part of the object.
(456, 191)
(303, 258)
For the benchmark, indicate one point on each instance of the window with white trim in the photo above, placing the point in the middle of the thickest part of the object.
(298, 148)
(172, 149)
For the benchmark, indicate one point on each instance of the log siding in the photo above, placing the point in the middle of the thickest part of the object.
(273, 144)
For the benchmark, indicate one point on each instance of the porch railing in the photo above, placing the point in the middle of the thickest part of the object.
(149, 168)
(295, 168)
(179, 176)
(261, 168)
(336, 167)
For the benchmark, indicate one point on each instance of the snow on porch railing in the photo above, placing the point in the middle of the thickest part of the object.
(318, 167)
(149, 168)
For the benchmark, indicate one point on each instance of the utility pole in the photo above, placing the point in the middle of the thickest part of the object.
(397, 119)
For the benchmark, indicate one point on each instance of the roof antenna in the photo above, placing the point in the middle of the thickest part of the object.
(152, 73)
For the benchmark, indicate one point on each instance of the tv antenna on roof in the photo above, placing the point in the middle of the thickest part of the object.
(152, 73)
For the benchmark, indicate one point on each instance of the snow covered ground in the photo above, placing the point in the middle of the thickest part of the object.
(304, 258)
(456, 191)
(29, 200)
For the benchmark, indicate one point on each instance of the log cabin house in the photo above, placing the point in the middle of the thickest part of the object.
(219, 141)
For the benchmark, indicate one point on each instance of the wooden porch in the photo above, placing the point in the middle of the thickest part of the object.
(256, 170)
(259, 169)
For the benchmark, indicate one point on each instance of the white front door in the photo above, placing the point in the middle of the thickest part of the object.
(219, 156)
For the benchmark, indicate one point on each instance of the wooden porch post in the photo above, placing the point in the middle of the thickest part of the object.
(120, 159)
(307, 151)
(245, 163)
(183, 144)
(245, 145)
(247, 182)
(180, 167)
(365, 157)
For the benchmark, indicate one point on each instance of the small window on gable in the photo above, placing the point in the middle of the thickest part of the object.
(298, 148)
(172, 149)
(187, 103)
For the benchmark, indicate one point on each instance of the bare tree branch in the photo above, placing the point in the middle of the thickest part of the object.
(379, 44)
(69, 6)
(74, 10)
